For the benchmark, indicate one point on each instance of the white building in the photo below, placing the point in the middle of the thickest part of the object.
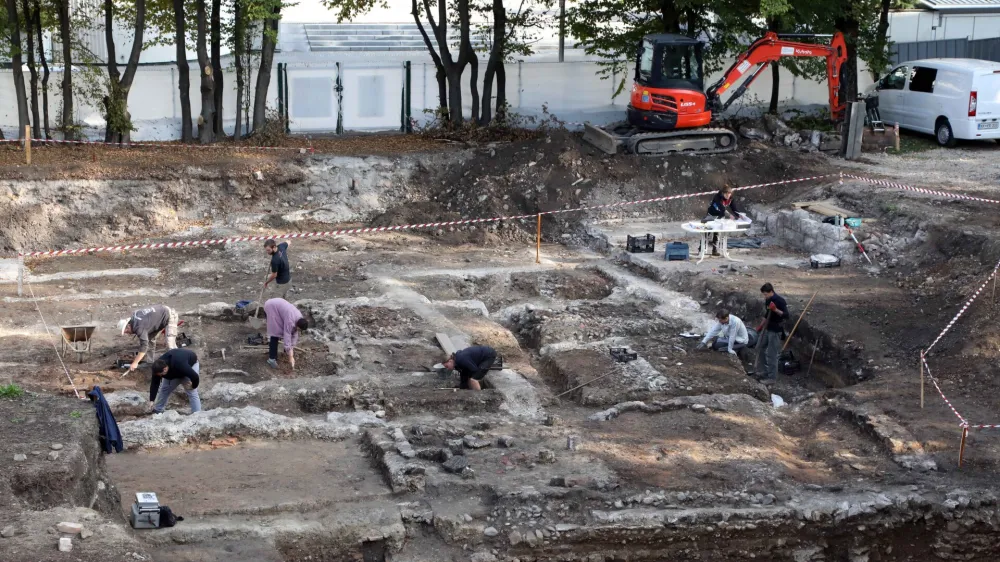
(946, 19)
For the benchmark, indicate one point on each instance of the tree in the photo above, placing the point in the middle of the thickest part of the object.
(30, 39)
(118, 123)
(68, 124)
(14, 25)
(206, 121)
(217, 127)
(37, 29)
(239, 51)
(272, 15)
(183, 71)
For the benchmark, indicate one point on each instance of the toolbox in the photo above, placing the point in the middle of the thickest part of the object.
(145, 511)
(641, 244)
(817, 261)
(677, 251)
(623, 355)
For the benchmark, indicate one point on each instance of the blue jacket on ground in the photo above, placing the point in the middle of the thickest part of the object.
(111, 438)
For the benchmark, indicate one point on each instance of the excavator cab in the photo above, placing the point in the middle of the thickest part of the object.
(668, 92)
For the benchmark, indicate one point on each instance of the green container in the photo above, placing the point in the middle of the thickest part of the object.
(853, 222)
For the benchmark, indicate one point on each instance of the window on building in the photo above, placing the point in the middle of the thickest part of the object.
(922, 79)
(371, 90)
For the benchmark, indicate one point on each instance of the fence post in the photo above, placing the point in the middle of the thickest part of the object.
(288, 122)
(27, 144)
(538, 241)
(408, 102)
(281, 93)
(961, 448)
(921, 380)
(339, 88)
(20, 274)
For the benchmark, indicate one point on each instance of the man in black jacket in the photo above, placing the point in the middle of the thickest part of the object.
(473, 364)
(175, 368)
(771, 329)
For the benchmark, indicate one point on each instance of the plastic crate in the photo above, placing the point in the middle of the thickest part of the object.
(677, 251)
(641, 244)
(623, 355)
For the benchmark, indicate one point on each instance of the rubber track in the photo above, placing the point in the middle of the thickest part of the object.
(635, 142)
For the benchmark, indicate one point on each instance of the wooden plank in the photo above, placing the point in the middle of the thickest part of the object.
(445, 342)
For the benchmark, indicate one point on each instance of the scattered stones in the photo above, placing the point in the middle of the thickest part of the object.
(65, 544)
(505, 441)
(515, 538)
(473, 442)
(456, 446)
(53, 455)
(56, 446)
(491, 531)
(552, 420)
(86, 534)
(467, 518)
(8, 532)
(456, 464)
(546, 456)
(699, 408)
(20, 457)
(69, 528)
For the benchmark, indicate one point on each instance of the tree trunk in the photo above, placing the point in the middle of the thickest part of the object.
(217, 66)
(37, 24)
(670, 16)
(849, 72)
(772, 108)
(439, 74)
(206, 121)
(132, 66)
(496, 57)
(264, 74)
(183, 71)
(882, 37)
(15, 60)
(32, 69)
(67, 82)
(473, 80)
(239, 32)
(501, 92)
(113, 77)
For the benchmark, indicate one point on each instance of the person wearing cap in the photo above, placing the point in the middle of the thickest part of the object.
(177, 367)
(146, 324)
(284, 322)
(473, 364)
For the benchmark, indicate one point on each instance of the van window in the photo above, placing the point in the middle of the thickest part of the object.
(895, 80)
(922, 79)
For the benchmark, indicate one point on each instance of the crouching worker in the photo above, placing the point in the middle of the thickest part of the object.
(177, 367)
(284, 322)
(728, 333)
(146, 324)
(473, 364)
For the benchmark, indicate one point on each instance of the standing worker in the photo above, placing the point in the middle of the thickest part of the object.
(723, 203)
(473, 364)
(284, 322)
(280, 272)
(177, 367)
(728, 333)
(147, 323)
(771, 329)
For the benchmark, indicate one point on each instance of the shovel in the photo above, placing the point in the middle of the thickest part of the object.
(255, 322)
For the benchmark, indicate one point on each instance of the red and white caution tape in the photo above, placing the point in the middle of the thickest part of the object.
(965, 307)
(158, 145)
(963, 423)
(904, 187)
(367, 230)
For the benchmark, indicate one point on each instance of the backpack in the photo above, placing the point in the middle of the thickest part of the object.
(167, 517)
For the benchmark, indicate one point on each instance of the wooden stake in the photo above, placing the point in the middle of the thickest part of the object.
(27, 144)
(961, 449)
(604, 376)
(813, 356)
(789, 338)
(921, 380)
(994, 290)
(538, 241)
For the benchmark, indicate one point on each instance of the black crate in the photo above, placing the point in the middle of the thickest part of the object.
(623, 355)
(641, 244)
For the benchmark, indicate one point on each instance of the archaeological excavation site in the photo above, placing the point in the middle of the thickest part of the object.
(602, 432)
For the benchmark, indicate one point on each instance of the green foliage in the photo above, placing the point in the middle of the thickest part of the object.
(76, 414)
(809, 121)
(11, 391)
(508, 126)
(274, 131)
(116, 110)
(523, 30)
(347, 10)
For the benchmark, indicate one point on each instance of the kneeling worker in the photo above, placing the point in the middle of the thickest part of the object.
(284, 322)
(728, 333)
(177, 367)
(473, 364)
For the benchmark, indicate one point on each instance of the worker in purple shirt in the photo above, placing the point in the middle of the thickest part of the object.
(284, 322)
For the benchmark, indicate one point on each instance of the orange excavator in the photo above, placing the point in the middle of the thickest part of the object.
(671, 112)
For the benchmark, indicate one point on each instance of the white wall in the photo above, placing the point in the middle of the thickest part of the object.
(918, 25)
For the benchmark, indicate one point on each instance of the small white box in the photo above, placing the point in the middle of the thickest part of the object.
(146, 500)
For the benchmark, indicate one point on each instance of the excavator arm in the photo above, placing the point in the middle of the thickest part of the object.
(771, 48)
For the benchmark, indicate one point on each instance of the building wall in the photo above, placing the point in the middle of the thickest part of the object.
(922, 25)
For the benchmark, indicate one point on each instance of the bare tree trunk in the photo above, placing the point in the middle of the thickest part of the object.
(125, 84)
(772, 107)
(67, 82)
(501, 91)
(217, 67)
(239, 33)
(670, 16)
(439, 74)
(206, 121)
(850, 27)
(15, 61)
(113, 77)
(473, 74)
(882, 38)
(496, 57)
(32, 69)
(37, 24)
(264, 74)
(183, 71)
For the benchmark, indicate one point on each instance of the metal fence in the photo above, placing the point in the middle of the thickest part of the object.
(984, 49)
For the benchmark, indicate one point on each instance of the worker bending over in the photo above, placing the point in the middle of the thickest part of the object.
(146, 324)
(284, 322)
(722, 204)
(177, 367)
(473, 364)
(728, 333)
(771, 329)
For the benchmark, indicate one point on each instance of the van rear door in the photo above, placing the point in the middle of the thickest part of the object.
(986, 122)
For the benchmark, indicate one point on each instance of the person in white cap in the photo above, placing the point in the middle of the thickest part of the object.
(146, 324)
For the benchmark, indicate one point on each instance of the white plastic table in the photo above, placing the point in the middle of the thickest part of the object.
(722, 227)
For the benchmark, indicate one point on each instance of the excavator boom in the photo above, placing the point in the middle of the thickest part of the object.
(772, 48)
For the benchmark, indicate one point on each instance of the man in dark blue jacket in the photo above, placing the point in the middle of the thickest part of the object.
(771, 328)
(473, 364)
(175, 368)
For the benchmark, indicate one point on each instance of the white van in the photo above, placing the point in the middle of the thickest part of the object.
(949, 98)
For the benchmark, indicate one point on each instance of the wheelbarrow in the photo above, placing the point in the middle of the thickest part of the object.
(76, 339)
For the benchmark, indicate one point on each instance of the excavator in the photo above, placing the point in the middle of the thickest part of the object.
(669, 110)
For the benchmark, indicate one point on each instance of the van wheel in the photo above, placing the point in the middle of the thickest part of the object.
(944, 134)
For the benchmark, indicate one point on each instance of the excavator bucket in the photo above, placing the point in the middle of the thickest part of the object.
(600, 138)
